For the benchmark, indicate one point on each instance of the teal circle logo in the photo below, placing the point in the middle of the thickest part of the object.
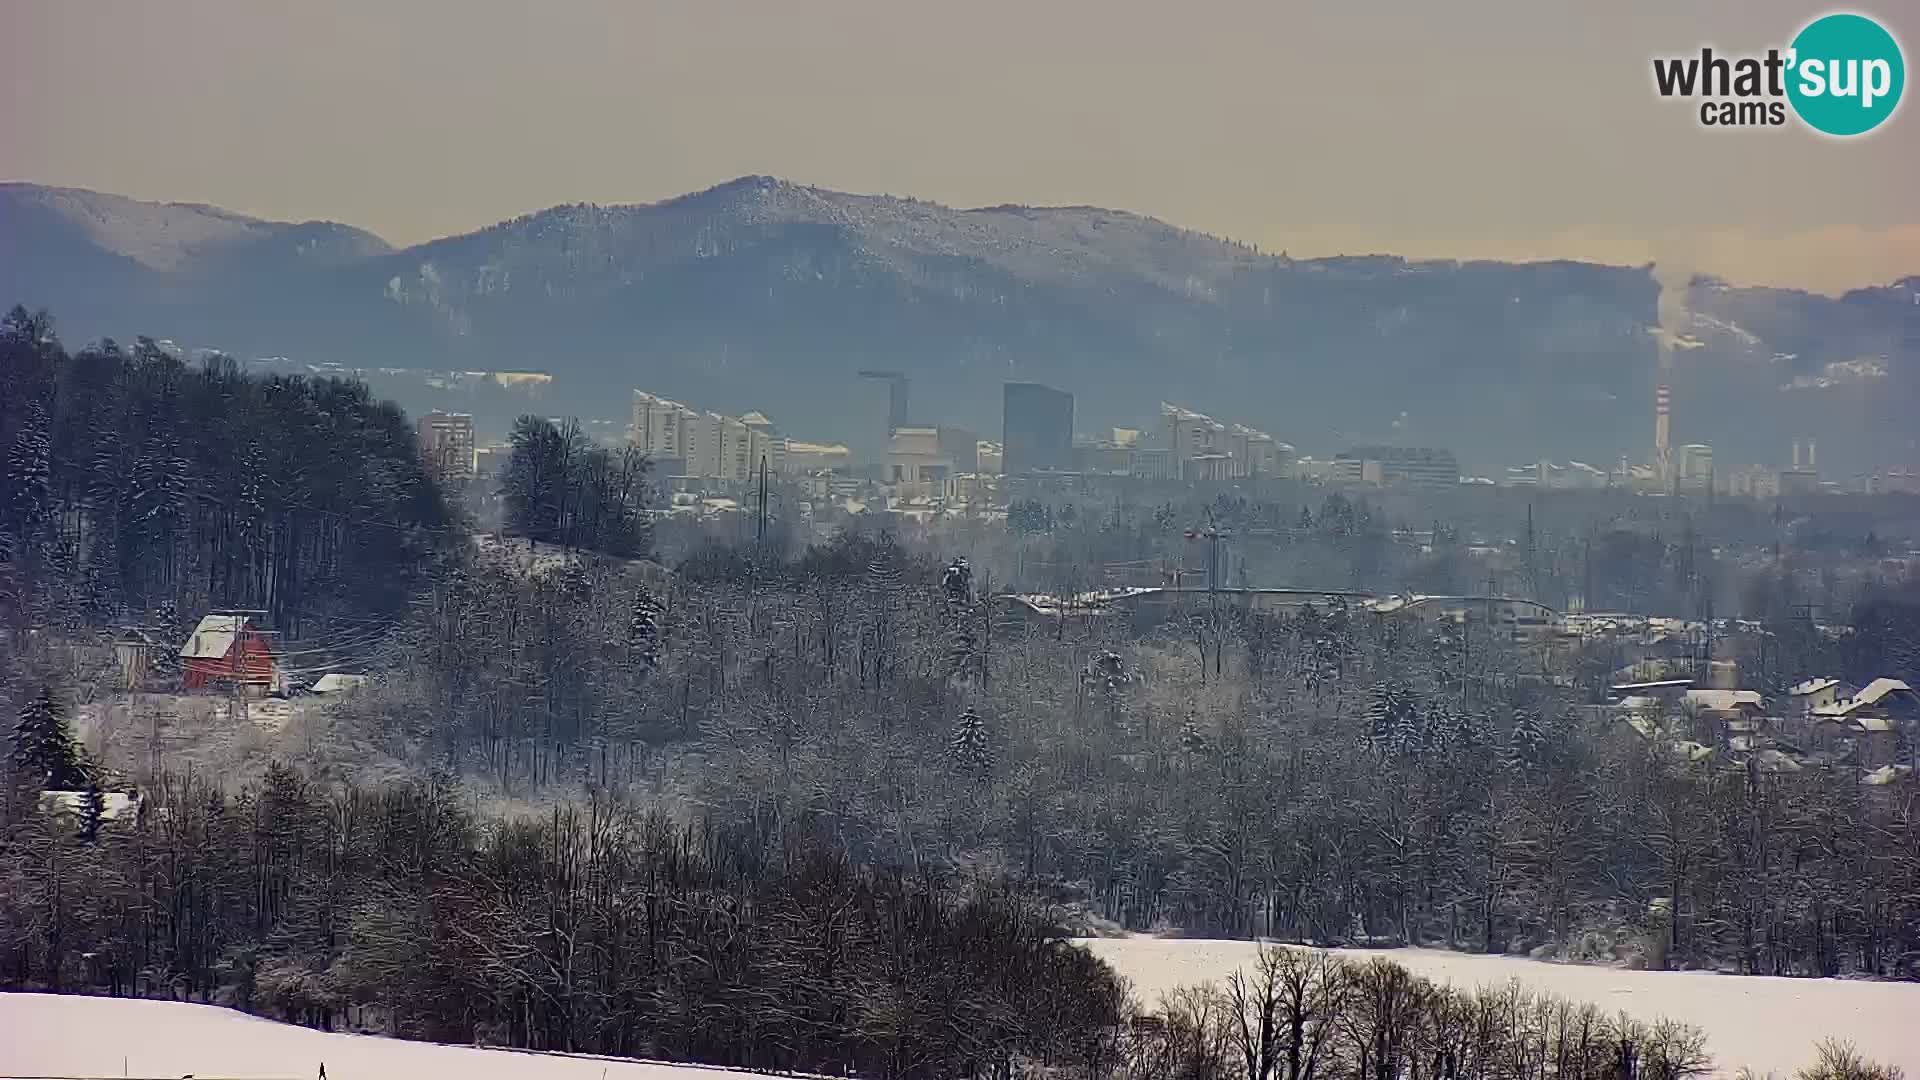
(1845, 74)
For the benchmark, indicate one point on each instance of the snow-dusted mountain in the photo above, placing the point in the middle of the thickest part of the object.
(173, 237)
(760, 293)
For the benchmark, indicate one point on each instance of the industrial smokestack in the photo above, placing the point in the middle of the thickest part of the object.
(1662, 451)
(1812, 461)
(1796, 454)
(1661, 408)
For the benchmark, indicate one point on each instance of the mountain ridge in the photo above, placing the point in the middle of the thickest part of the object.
(760, 291)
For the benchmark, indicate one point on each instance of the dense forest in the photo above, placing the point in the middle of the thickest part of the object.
(609, 930)
(139, 486)
(1318, 776)
(836, 806)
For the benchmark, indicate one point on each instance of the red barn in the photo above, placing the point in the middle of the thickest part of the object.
(226, 649)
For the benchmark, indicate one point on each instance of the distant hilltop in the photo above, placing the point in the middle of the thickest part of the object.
(759, 290)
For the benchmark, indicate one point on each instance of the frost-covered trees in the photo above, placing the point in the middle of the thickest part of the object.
(43, 752)
(132, 481)
(561, 489)
(612, 931)
(971, 744)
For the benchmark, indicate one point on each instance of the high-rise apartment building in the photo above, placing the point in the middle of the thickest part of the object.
(1696, 467)
(446, 444)
(1038, 429)
(662, 429)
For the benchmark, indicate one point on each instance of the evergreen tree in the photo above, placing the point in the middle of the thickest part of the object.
(971, 745)
(28, 498)
(43, 747)
(93, 809)
(643, 630)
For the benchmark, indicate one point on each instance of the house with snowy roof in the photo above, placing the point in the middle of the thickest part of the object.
(226, 649)
(1879, 724)
(1881, 697)
(1805, 696)
(1718, 716)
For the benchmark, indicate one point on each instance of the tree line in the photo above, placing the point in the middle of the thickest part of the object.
(142, 489)
(607, 929)
(612, 929)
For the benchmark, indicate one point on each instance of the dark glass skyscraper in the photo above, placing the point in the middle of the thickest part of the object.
(1038, 429)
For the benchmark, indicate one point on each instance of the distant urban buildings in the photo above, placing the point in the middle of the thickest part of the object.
(871, 441)
(924, 470)
(807, 457)
(1696, 468)
(446, 445)
(961, 446)
(1201, 448)
(1396, 466)
(683, 441)
(1756, 482)
(916, 461)
(661, 428)
(1038, 429)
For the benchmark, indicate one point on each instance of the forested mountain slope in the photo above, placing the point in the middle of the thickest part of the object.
(759, 291)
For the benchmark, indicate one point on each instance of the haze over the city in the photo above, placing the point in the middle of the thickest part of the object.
(1507, 130)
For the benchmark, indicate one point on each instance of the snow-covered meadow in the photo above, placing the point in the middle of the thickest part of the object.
(52, 1035)
(1770, 1024)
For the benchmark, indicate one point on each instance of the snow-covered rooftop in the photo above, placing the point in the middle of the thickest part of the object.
(1725, 700)
(213, 637)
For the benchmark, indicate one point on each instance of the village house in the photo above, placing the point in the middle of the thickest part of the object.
(1876, 727)
(227, 650)
(1718, 717)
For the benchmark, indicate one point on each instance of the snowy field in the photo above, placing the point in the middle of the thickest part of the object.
(1770, 1024)
(49, 1035)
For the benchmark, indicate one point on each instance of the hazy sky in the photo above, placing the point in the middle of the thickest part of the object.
(1521, 128)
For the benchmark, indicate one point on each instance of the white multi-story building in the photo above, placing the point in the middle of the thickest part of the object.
(709, 446)
(1192, 437)
(1256, 453)
(1695, 467)
(661, 428)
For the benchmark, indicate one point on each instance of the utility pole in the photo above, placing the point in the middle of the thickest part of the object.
(1533, 569)
(1213, 590)
(1586, 574)
(986, 648)
(760, 536)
